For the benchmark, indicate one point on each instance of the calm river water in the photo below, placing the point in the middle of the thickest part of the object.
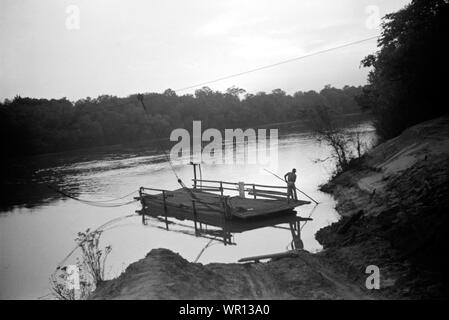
(37, 234)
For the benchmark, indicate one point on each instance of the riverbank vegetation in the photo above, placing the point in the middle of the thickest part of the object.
(405, 84)
(394, 202)
(76, 282)
(34, 126)
(399, 92)
(346, 147)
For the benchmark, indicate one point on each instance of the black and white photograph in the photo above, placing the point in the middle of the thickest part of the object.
(225, 155)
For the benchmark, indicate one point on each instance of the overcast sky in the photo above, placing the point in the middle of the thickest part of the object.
(131, 46)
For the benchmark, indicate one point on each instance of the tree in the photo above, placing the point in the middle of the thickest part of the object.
(325, 124)
(169, 93)
(235, 91)
(405, 85)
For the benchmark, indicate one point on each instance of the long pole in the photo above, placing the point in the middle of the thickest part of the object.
(274, 174)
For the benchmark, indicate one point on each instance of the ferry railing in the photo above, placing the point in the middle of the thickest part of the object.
(198, 205)
(244, 189)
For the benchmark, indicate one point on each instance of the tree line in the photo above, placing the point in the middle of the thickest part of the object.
(405, 87)
(407, 81)
(34, 126)
(405, 84)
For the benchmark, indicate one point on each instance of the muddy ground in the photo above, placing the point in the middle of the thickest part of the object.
(163, 274)
(394, 205)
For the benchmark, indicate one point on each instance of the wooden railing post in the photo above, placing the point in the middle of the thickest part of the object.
(298, 228)
(226, 211)
(165, 209)
(142, 202)
(241, 188)
(254, 191)
(194, 173)
(221, 188)
(194, 216)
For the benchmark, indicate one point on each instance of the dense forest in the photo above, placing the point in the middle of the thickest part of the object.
(407, 83)
(33, 126)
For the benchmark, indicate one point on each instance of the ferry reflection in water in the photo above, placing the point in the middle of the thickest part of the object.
(223, 230)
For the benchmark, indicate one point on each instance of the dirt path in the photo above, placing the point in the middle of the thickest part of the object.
(344, 288)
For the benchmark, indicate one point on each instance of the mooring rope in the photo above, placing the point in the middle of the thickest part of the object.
(204, 249)
(115, 199)
(310, 215)
(101, 203)
(162, 149)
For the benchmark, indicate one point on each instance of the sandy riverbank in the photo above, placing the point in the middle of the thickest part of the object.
(394, 204)
(163, 274)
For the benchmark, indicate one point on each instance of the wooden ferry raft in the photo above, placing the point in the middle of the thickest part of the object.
(207, 198)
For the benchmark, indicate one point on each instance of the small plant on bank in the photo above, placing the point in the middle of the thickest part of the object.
(346, 147)
(90, 269)
(93, 258)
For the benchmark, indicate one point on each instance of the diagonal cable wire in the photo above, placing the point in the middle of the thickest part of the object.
(278, 63)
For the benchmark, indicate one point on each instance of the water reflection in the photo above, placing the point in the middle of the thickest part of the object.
(224, 231)
(27, 182)
(87, 173)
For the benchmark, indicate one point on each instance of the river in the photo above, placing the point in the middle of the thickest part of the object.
(38, 231)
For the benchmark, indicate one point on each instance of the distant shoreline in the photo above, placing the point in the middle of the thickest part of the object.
(356, 117)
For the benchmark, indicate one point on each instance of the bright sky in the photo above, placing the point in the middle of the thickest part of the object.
(131, 46)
